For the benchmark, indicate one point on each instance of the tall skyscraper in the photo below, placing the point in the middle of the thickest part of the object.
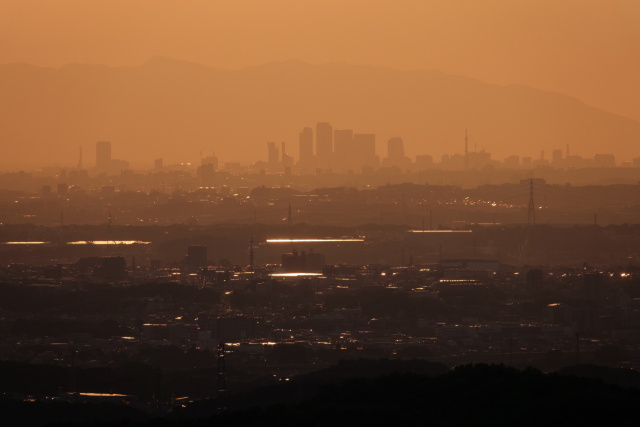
(306, 145)
(287, 160)
(364, 145)
(395, 154)
(305, 140)
(395, 148)
(103, 155)
(273, 154)
(343, 152)
(324, 145)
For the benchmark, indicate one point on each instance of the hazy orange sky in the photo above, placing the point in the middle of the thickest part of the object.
(586, 48)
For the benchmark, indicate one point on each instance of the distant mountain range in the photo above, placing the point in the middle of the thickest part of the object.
(176, 110)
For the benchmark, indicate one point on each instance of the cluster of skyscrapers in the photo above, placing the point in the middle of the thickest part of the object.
(339, 150)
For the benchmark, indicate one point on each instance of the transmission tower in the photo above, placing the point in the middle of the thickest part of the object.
(531, 217)
(466, 150)
(222, 378)
(251, 254)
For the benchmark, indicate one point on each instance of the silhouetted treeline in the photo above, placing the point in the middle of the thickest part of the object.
(61, 413)
(479, 395)
(141, 377)
(362, 392)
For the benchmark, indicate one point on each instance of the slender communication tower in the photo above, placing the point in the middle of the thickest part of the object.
(109, 228)
(466, 150)
(531, 217)
(251, 254)
(222, 378)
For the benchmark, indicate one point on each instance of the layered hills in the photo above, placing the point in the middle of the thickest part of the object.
(177, 110)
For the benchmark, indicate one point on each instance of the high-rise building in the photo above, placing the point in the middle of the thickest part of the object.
(395, 153)
(306, 145)
(324, 145)
(512, 162)
(604, 161)
(273, 154)
(210, 160)
(104, 162)
(424, 162)
(287, 160)
(364, 145)
(103, 155)
(343, 152)
(395, 148)
(299, 262)
(305, 140)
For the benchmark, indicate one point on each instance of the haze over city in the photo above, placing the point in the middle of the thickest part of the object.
(333, 212)
(470, 53)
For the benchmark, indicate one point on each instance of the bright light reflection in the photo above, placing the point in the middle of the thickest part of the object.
(102, 394)
(440, 231)
(295, 274)
(108, 242)
(25, 243)
(312, 240)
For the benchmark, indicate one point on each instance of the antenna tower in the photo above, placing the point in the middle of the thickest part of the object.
(466, 150)
(251, 254)
(531, 217)
(222, 378)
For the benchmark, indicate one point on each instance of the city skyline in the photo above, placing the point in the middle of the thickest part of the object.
(438, 108)
(276, 212)
(343, 150)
